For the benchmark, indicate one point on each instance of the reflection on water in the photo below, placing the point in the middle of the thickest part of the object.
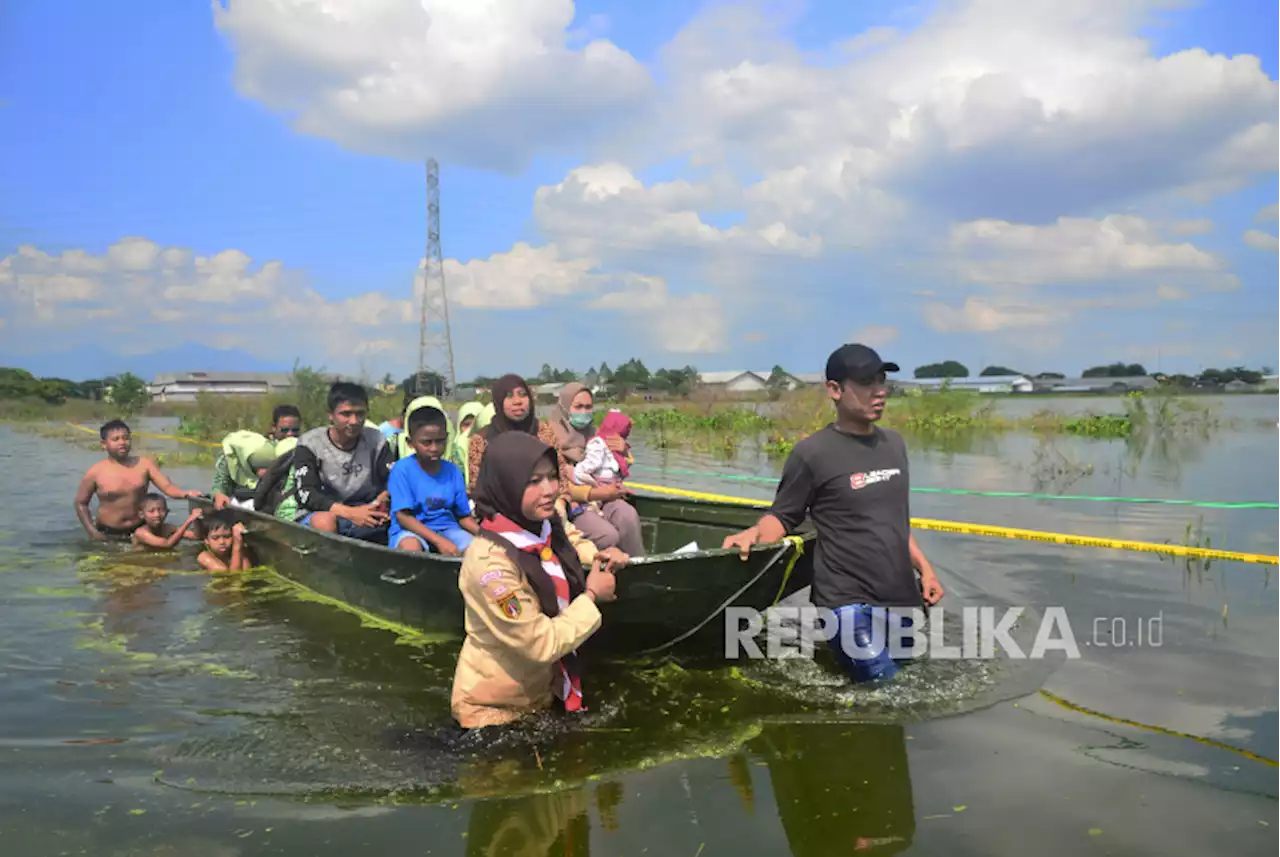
(548, 825)
(829, 809)
(825, 808)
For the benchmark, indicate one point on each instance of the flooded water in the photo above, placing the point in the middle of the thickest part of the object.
(150, 709)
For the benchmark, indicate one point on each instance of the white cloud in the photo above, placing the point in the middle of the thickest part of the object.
(1070, 250)
(1259, 240)
(483, 82)
(690, 324)
(1167, 292)
(265, 308)
(605, 209)
(1011, 109)
(875, 335)
(522, 277)
(1200, 226)
(979, 315)
(274, 312)
(1268, 213)
(377, 346)
(679, 324)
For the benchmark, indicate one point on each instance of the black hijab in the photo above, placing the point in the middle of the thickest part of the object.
(501, 424)
(505, 472)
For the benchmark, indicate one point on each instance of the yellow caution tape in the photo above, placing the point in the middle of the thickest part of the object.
(1007, 532)
(156, 436)
(1208, 742)
(698, 495)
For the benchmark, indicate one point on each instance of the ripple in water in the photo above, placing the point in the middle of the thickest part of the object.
(350, 740)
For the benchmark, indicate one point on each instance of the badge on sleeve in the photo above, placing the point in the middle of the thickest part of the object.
(510, 606)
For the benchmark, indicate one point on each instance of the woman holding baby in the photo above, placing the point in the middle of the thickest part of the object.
(601, 460)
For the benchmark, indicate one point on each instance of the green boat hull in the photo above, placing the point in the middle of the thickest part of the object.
(666, 601)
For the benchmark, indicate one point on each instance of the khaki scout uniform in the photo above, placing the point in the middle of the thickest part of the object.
(508, 660)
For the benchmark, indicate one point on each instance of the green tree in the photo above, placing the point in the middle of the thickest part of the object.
(1044, 376)
(310, 394)
(678, 382)
(1115, 370)
(1218, 377)
(128, 393)
(632, 375)
(778, 379)
(428, 384)
(945, 369)
(57, 390)
(992, 371)
(18, 384)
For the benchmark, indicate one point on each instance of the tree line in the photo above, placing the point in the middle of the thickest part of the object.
(629, 377)
(1207, 378)
(127, 390)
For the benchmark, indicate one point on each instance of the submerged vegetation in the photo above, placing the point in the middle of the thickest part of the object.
(947, 418)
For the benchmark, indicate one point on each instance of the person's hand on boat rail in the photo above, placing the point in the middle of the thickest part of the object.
(767, 530)
(614, 559)
(601, 585)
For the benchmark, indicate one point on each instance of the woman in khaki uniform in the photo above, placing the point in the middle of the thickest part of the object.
(528, 604)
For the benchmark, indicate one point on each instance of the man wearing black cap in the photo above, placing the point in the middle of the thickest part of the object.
(851, 479)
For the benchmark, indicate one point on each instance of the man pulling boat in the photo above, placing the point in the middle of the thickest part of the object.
(851, 479)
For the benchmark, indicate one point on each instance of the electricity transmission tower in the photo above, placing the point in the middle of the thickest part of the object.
(435, 341)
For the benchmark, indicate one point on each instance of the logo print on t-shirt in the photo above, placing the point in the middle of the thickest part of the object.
(862, 480)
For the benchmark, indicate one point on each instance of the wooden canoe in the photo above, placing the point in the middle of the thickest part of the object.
(666, 599)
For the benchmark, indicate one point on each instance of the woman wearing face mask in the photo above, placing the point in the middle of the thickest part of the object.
(529, 606)
(610, 521)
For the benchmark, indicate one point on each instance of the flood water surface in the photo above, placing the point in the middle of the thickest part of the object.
(149, 708)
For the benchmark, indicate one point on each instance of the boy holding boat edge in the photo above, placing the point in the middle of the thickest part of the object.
(155, 533)
(851, 478)
(224, 547)
(429, 504)
(119, 481)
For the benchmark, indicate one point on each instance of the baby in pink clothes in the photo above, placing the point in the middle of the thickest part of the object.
(601, 465)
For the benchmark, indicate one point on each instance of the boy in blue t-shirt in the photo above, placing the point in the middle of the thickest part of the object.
(430, 509)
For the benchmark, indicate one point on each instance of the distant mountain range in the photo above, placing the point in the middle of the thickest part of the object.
(92, 362)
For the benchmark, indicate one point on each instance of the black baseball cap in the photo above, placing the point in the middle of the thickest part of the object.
(855, 362)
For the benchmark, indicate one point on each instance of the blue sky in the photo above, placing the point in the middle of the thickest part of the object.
(693, 208)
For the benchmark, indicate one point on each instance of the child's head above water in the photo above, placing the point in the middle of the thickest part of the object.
(155, 508)
(217, 531)
(116, 438)
(428, 433)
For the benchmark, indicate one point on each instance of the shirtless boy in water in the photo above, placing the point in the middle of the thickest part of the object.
(156, 533)
(120, 481)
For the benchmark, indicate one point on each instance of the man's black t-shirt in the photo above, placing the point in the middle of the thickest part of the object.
(856, 490)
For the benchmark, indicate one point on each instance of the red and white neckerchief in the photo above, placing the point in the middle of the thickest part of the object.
(570, 686)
